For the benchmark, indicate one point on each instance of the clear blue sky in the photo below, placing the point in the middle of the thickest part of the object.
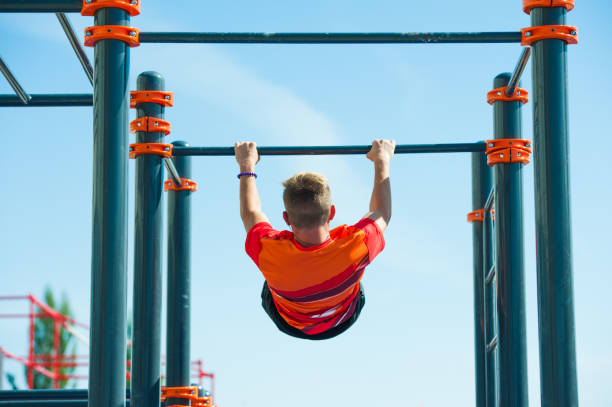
(413, 344)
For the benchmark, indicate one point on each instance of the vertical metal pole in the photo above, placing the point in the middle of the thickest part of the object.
(178, 364)
(146, 344)
(559, 386)
(491, 327)
(109, 230)
(481, 186)
(509, 266)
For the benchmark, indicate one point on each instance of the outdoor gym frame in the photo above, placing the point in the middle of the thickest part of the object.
(500, 346)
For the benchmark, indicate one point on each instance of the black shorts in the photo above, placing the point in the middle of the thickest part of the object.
(268, 305)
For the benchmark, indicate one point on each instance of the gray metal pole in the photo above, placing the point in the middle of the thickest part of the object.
(40, 6)
(76, 45)
(146, 343)
(107, 354)
(21, 93)
(481, 186)
(558, 381)
(509, 266)
(42, 100)
(490, 308)
(178, 324)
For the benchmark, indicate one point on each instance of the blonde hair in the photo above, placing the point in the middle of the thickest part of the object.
(307, 200)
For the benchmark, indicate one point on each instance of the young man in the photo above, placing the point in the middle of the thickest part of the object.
(313, 274)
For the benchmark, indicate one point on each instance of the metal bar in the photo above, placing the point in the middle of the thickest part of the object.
(491, 346)
(44, 394)
(482, 181)
(178, 368)
(490, 275)
(509, 263)
(173, 172)
(557, 334)
(518, 71)
(107, 354)
(333, 150)
(76, 45)
(146, 343)
(331, 38)
(490, 200)
(21, 93)
(40, 6)
(41, 100)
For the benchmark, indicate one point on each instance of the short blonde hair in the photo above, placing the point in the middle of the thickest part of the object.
(307, 200)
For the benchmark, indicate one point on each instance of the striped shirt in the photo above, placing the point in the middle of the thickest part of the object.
(315, 288)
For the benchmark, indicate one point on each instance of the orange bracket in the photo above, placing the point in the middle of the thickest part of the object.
(151, 96)
(91, 6)
(129, 35)
(495, 95)
(189, 393)
(476, 216)
(566, 33)
(528, 5)
(150, 125)
(186, 185)
(160, 149)
(508, 151)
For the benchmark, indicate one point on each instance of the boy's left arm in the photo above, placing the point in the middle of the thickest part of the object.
(250, 205)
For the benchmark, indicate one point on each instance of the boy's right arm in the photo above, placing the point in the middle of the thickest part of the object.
(380, 202)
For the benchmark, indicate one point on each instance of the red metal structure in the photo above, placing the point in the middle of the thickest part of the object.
(49, 364)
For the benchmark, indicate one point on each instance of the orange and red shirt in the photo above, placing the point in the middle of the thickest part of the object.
(315, 288)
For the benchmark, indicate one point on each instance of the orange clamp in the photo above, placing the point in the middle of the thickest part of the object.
(150, 125)
(163, 150)
(129, 35)
(91, 6)
(508, 151)
(476, 216)
(189, 393)
(566, 33)
(528, 5)
(519, 94)
(186, 185)
(151, 96)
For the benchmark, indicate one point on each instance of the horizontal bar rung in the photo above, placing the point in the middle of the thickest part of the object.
(331, 38)
(333, 150)
(43, 100)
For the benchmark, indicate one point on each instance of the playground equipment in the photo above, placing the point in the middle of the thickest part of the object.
(498, 284)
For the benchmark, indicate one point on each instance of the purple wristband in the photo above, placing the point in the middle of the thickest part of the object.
(251, 174)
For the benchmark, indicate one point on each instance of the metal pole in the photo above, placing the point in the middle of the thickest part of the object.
(481, 185)
(38, 100)
(21, 93)
(173, 171)
(558, 382)
(107, 355)
(333, 150)
(146, 344)
(178, 365)
(518, 71)
(509, 265)
(331, 38)
(40, 6)
(76, 45)
(44, 394)
(490, 309)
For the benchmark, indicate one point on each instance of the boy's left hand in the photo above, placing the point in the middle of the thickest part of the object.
(246, 155)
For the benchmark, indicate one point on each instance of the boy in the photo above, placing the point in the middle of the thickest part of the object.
(313, 274)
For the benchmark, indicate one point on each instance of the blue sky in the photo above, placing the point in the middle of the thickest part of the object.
(413, 344)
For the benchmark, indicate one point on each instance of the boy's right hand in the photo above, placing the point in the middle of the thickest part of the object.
(381, 151)
(246, 155)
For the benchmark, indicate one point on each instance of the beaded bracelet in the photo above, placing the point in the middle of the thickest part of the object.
(251, 174)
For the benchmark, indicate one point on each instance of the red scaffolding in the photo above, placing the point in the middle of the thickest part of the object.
(49, 364)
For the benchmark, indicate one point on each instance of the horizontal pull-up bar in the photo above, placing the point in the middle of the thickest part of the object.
(41, 6)
(334, 150)
(42, 100)
(330, 38)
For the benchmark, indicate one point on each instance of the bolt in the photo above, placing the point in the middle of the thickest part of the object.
(552, 29)
(88, 1)
(88, 34)
(132, 33)
(518, 92)
(134, 2)
(167, 97)
(156, 123)
(491, 144)
(518, 154)
(498, 93)
(573, 32)
(501, 156)
(527, 34)
(527, 144)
